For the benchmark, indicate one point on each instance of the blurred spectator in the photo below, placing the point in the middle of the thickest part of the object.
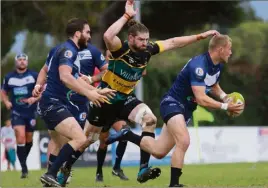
(8, 138)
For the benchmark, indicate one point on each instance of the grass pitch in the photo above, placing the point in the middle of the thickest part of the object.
(214, 175)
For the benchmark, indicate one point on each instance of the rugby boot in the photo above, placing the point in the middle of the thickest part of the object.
(120, 174)
(148, 173)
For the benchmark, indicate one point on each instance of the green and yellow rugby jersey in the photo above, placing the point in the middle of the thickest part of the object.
(125, 69)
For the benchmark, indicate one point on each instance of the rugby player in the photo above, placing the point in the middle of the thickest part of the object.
(125, 69)
(20, 84)
(102, 150)
(90, 58)
(199, 77)
(63, 76)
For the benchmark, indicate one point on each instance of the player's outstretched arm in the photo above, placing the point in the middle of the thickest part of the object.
(179, 42)
(112, 42)
(203, 100)
(41, 80)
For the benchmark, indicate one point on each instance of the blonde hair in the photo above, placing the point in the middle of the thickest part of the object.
(219, 40)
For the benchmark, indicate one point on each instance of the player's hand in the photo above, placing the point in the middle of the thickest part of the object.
(129, 8)
(30, 100)
(107, 92)
(86, 78)
(96, 98)
(235, 108)
(108, 55)
(209, 33)
(227, 99)
(8, 105)
(37, 90)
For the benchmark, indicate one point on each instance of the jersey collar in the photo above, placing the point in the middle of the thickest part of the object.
(209, 60)
(73, 44)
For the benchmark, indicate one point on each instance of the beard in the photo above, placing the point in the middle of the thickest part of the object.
(138, 49)
(82, 42)
(21, 68)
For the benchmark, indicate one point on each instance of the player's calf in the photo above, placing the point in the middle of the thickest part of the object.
(178, 130)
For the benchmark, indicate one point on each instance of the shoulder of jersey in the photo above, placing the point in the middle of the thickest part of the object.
(125, 44)
(92, 48)
(10, 74)
(200, 59)
(70, 51)
(54, 49)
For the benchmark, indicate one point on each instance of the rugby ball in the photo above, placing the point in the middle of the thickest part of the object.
(236, 98)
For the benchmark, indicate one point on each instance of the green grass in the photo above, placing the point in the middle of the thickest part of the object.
(227, 175)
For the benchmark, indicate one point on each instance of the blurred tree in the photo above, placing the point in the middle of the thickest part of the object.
(47, 17)
(172, 18)
(51, 16)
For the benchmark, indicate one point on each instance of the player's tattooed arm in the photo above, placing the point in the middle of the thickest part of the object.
(179, 42)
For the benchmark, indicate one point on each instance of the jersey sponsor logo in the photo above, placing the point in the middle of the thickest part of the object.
(68, 54)
(20, 90)
(21, 81)
(130, 99)
(128, 76)
(32, 122)
(102, 57)
(96, 119)
(199, 71)
(118, 83)
(85, 54)
(81, 55)
(82, 116)
(21, 100)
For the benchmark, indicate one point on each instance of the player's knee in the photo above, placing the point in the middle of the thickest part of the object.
(81, 140)
(150, 123)
(150, 120)
(21, 139)
(93, 137)
(102, 141)
(29, 138)
(103, 146)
